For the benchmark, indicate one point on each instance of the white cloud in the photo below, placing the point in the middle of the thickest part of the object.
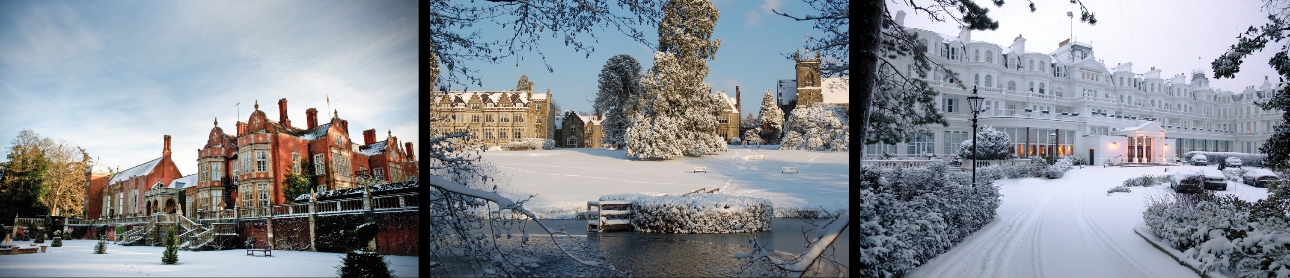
(753, 17)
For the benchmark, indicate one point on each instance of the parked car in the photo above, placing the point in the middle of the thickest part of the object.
(1199, 160)
(1214, 179)
(1259, 177)
(1233, 162)
(1186, 181)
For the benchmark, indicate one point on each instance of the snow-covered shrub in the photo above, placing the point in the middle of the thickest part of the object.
(1075, 159)
(1145, 180)
(735, 141)
(171, 255)
(1058, 169)
(548, 144)
(101, 247)
(698, 213)
(363, 263)
(753, 137)
(1234, 174)
(1247, 159)
(909, 216)
(819, 127)
(991, 144)
(1119, 188)
(525, 144)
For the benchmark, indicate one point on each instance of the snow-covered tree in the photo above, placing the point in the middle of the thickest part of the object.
(753, 137)
(770, 117)
(678, 113)
(1253, 40)
(819, 127)
(991, 144)
(749, 122)
(619, 91)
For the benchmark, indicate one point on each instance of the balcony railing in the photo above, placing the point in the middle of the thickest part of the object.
(405, 201)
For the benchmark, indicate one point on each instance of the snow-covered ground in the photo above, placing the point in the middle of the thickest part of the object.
(1068, 227)
(565, 179)
(77, 259)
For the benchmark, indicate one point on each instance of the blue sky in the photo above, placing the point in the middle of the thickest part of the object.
(115, 76)
(752, 43)
(1173, 36)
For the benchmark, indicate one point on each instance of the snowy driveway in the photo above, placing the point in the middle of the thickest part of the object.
(1067, 228)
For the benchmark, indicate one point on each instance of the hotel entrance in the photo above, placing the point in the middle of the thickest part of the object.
(1139, 150)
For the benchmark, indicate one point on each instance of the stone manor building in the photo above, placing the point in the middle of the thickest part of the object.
(496, 117)
(1067, 102)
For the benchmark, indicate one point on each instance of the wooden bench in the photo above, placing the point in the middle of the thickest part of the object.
(789, 170)
(700, 169)
(251, 249)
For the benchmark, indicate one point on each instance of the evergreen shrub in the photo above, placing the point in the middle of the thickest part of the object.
(364, 264)
(58, 242)
(171, 255)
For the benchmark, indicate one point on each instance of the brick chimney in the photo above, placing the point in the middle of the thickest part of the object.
(166, 151)
(738, 101)
(311, 116)
(369, 136)
(282, 112)
(411, 155)
(241, 128)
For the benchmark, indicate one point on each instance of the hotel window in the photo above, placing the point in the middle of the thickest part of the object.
(215, 171)
(955, 138)
(517, 134)
(216, 198)
(949, 104)
(261, 161)
(319, 168)
(379, 174)
(976, 79)
(976, 55)
(295, 162)
(1012, 86)
(989, 56)
(1041, 88)
(921, 143)
(263, 192)
(1032, 86)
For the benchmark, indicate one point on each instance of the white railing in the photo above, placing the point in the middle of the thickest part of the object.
(898, 163)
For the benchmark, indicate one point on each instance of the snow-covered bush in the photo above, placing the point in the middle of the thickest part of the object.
(752, 137)
(991, 144)
(526, 144)
(735, 141)
(819, 127)
(1247, 159)
(548, 144)
(363, 263)
(909, 216)
(1075, 159)
(698, 213)
(1145, 180)
(1119, 188)
(1058, 169)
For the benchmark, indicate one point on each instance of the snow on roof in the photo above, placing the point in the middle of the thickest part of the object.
(537, 96)
(98, 168)
(489, 96)
(374, 148)
(730, 102)
(140, 170)
(395, 187)
(315, 133)
(180, 183)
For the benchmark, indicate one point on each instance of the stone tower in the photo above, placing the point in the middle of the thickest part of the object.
(808, 80)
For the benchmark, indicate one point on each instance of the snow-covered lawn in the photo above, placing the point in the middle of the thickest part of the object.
(565, 179)
(1068, 227)
(77, 258)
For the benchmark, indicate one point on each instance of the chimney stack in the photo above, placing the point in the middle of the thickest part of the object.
(311, 116)
(166, 152)
(411, 155)
(241, 128)
(282, 112)
(344, 127)
(738, 101)
(369, 136)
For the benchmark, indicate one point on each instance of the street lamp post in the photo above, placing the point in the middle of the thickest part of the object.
(974, 103)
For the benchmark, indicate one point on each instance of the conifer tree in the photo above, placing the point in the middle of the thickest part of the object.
(101, 247)
(171, 255)
(618, 96)
(679, 112)
(1277, 147)
(770, 117)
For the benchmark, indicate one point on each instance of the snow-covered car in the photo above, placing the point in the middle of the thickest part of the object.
(1199, 160)
(1233, 162)
(1214, 179)
(1259, 177)
(1186, 181)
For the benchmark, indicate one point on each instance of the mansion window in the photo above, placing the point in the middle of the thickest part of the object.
(488, 118)
(295, 162)
(504, 118)
(216, 197)
(921, 142)
(488, 134)
(204, 199)
(215, 170)
(261, 161)
(247, 198)
(263, 191)
(519, 118)
(723, 120)
(474, 106)
(319, 169)
(571, 142)
(517, 134)
(246, 162)
(950, 103)
(474, 118)
(1012, 86)
(201, 172)
(989, 81)
(379, 174)
(989, 56)
(501, 134)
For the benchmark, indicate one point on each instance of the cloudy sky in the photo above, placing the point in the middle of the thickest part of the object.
(1169, 35)
(753, 41)
(115, 76)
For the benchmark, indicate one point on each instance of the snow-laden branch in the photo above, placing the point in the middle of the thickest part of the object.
(506, 203)
(824, 238)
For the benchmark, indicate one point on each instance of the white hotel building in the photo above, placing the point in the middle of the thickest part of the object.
(1066, 102)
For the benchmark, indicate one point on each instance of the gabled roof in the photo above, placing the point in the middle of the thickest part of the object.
(316, 132)
(185, 181)
(138, 170)
(373, 148)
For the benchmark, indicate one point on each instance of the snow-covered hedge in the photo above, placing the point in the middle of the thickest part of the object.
(909, 216)
(735, 141)
(698, 213)
(1225, 233)
(819, 127)
(991, 144)
(1247, 159)
(527, 144)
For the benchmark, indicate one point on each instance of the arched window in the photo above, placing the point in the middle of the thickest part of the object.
(989, 57)
(976, 79)
(1012, 86)
(1032, 86)
(989, 81)
(1041, 88)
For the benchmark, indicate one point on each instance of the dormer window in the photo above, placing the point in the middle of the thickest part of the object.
(474, 106)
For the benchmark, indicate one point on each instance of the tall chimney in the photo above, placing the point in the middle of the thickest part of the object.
(738, 101)
(311, 116)
(241, 128)
(166, 152)
(282, 112)
(369, 136)
(411, 155)
(344, 127)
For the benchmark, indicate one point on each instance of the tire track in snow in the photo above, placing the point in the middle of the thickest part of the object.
(1004, 255)
(1036, 254)
(1101, 236)
(998, 236)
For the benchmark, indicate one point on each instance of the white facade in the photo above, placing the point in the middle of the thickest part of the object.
(1066, 102)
